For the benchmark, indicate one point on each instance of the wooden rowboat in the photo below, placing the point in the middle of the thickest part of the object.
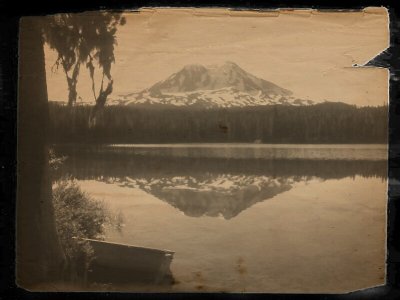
(121, 263)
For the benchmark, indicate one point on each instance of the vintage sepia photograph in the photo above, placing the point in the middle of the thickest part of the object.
(202, 150)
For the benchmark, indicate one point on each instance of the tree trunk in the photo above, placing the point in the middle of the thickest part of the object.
(100, 102)
(72, 81)
(72, 94)
(39, 255)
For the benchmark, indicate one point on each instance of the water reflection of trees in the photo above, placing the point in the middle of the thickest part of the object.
(209, 186)
(97, 165)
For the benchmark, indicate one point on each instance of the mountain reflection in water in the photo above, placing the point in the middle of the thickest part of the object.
(209, 186)
(223, 195)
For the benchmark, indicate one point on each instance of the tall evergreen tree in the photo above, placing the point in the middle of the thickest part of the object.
(77, 39)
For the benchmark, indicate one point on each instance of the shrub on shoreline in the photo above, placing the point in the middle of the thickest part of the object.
(78, 216)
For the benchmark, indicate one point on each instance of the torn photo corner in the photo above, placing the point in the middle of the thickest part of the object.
(203, 150)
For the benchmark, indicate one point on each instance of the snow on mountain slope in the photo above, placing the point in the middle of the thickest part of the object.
(215, 195)
(224, 86)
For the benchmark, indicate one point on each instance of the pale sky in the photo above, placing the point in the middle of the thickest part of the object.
(308, 52)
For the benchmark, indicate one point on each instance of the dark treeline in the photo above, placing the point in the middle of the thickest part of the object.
(322, 123)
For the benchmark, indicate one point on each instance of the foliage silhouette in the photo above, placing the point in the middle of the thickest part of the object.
(321, 123)
(87, 39)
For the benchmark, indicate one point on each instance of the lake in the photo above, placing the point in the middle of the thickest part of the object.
(247, 217)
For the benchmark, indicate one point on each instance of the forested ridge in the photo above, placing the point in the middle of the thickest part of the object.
(329, 122)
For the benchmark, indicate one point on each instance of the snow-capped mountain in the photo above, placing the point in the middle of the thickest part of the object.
(217, 195)
(220, 86)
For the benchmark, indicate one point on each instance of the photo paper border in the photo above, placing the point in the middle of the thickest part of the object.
(10, 14)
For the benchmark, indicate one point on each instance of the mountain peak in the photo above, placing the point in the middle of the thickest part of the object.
(196, 77)
(230, 64)
(226, 85)
(194, 67)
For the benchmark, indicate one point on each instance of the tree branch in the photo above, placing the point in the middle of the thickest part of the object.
(90, 66)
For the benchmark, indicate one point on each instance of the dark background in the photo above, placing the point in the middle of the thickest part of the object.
(11, 11)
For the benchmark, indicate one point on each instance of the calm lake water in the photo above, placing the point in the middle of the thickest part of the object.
(247, 217)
